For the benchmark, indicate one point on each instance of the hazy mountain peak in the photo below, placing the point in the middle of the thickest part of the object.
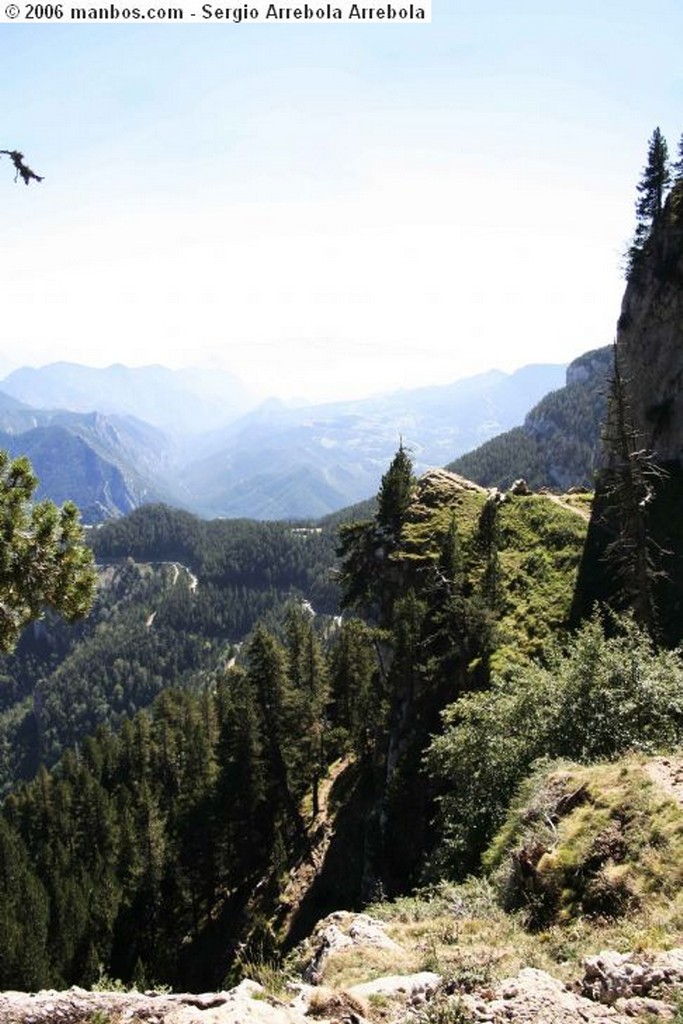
(187, 401)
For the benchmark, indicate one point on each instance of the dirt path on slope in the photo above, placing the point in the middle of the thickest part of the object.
(564, 503)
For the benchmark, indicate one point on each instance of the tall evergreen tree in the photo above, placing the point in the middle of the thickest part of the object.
(358, 697)
(395, 492)
(652, 190)
(677, 167)
(654, 182)
(267, 674)
(370, 576)
(308, 699)
(630, 477)
(447, 636)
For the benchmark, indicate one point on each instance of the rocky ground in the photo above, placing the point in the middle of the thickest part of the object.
(616, 988)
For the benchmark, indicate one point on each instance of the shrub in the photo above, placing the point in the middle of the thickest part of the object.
(595, 698)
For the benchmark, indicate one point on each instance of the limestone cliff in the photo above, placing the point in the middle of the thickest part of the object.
(650, 336)
(649, 361)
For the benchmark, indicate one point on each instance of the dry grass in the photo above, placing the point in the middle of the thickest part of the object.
(353, 965)
(462, 933)
(328, 1003)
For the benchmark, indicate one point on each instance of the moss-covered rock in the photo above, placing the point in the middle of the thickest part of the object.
(598, 841)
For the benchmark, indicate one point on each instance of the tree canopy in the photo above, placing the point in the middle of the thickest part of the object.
(652, 192)
(653, 184)
(44, 562)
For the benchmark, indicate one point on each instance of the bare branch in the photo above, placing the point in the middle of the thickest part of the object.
(21, 168)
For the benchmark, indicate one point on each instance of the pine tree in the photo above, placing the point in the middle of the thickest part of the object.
(43, 560)
(243, 826)
(267, 674)
(395, 493)
(447, 635)
(359, 702)
(307, 699)
(677, 168)
(654, 182)
(630, 477)
(370, 575)
(23, 917)
(652, 190)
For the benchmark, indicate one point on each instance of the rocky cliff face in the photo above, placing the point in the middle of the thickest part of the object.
(650, 337)
(633, 557)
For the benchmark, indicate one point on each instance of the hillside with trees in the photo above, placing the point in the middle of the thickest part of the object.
(559, 443)
(175, 599)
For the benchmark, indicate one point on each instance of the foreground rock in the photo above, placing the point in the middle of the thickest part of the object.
(536, 997)
(246, 1004)
(343, 930)
(632, 982)
(616, 988)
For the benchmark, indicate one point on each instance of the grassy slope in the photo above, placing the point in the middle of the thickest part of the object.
(612, 863)
(541, 545)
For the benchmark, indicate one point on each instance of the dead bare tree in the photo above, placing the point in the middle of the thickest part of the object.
(22, 168)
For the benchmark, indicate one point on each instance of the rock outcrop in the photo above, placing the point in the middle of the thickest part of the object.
(650, 337)
(646, 422)
(616, 988)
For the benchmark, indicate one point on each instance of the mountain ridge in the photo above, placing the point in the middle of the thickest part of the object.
(558, 444)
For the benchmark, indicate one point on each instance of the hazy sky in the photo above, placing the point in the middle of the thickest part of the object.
(331, 210)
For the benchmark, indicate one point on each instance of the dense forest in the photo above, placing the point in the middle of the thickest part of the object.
(176, 596)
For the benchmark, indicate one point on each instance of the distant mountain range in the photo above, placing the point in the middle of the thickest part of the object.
(278, 462)
(179, 402)
(112, 439)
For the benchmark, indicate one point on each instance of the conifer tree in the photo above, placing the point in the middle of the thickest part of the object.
(243, 828)
(447, 636)
(43, 560)
(267, 674)
(677, 168)
(358, 698)
(307, 698)
(24, 961)
(630, 477)
(395, 493)
(652, 190)
(370, 576)
(654, 182)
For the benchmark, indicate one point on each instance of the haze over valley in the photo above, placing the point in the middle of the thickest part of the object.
(112, 439)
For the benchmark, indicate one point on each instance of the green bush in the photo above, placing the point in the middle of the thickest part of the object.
(595, 698)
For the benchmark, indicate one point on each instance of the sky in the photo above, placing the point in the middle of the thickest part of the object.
(330, 210)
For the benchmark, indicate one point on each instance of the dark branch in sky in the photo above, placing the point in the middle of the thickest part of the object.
(21, 168)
